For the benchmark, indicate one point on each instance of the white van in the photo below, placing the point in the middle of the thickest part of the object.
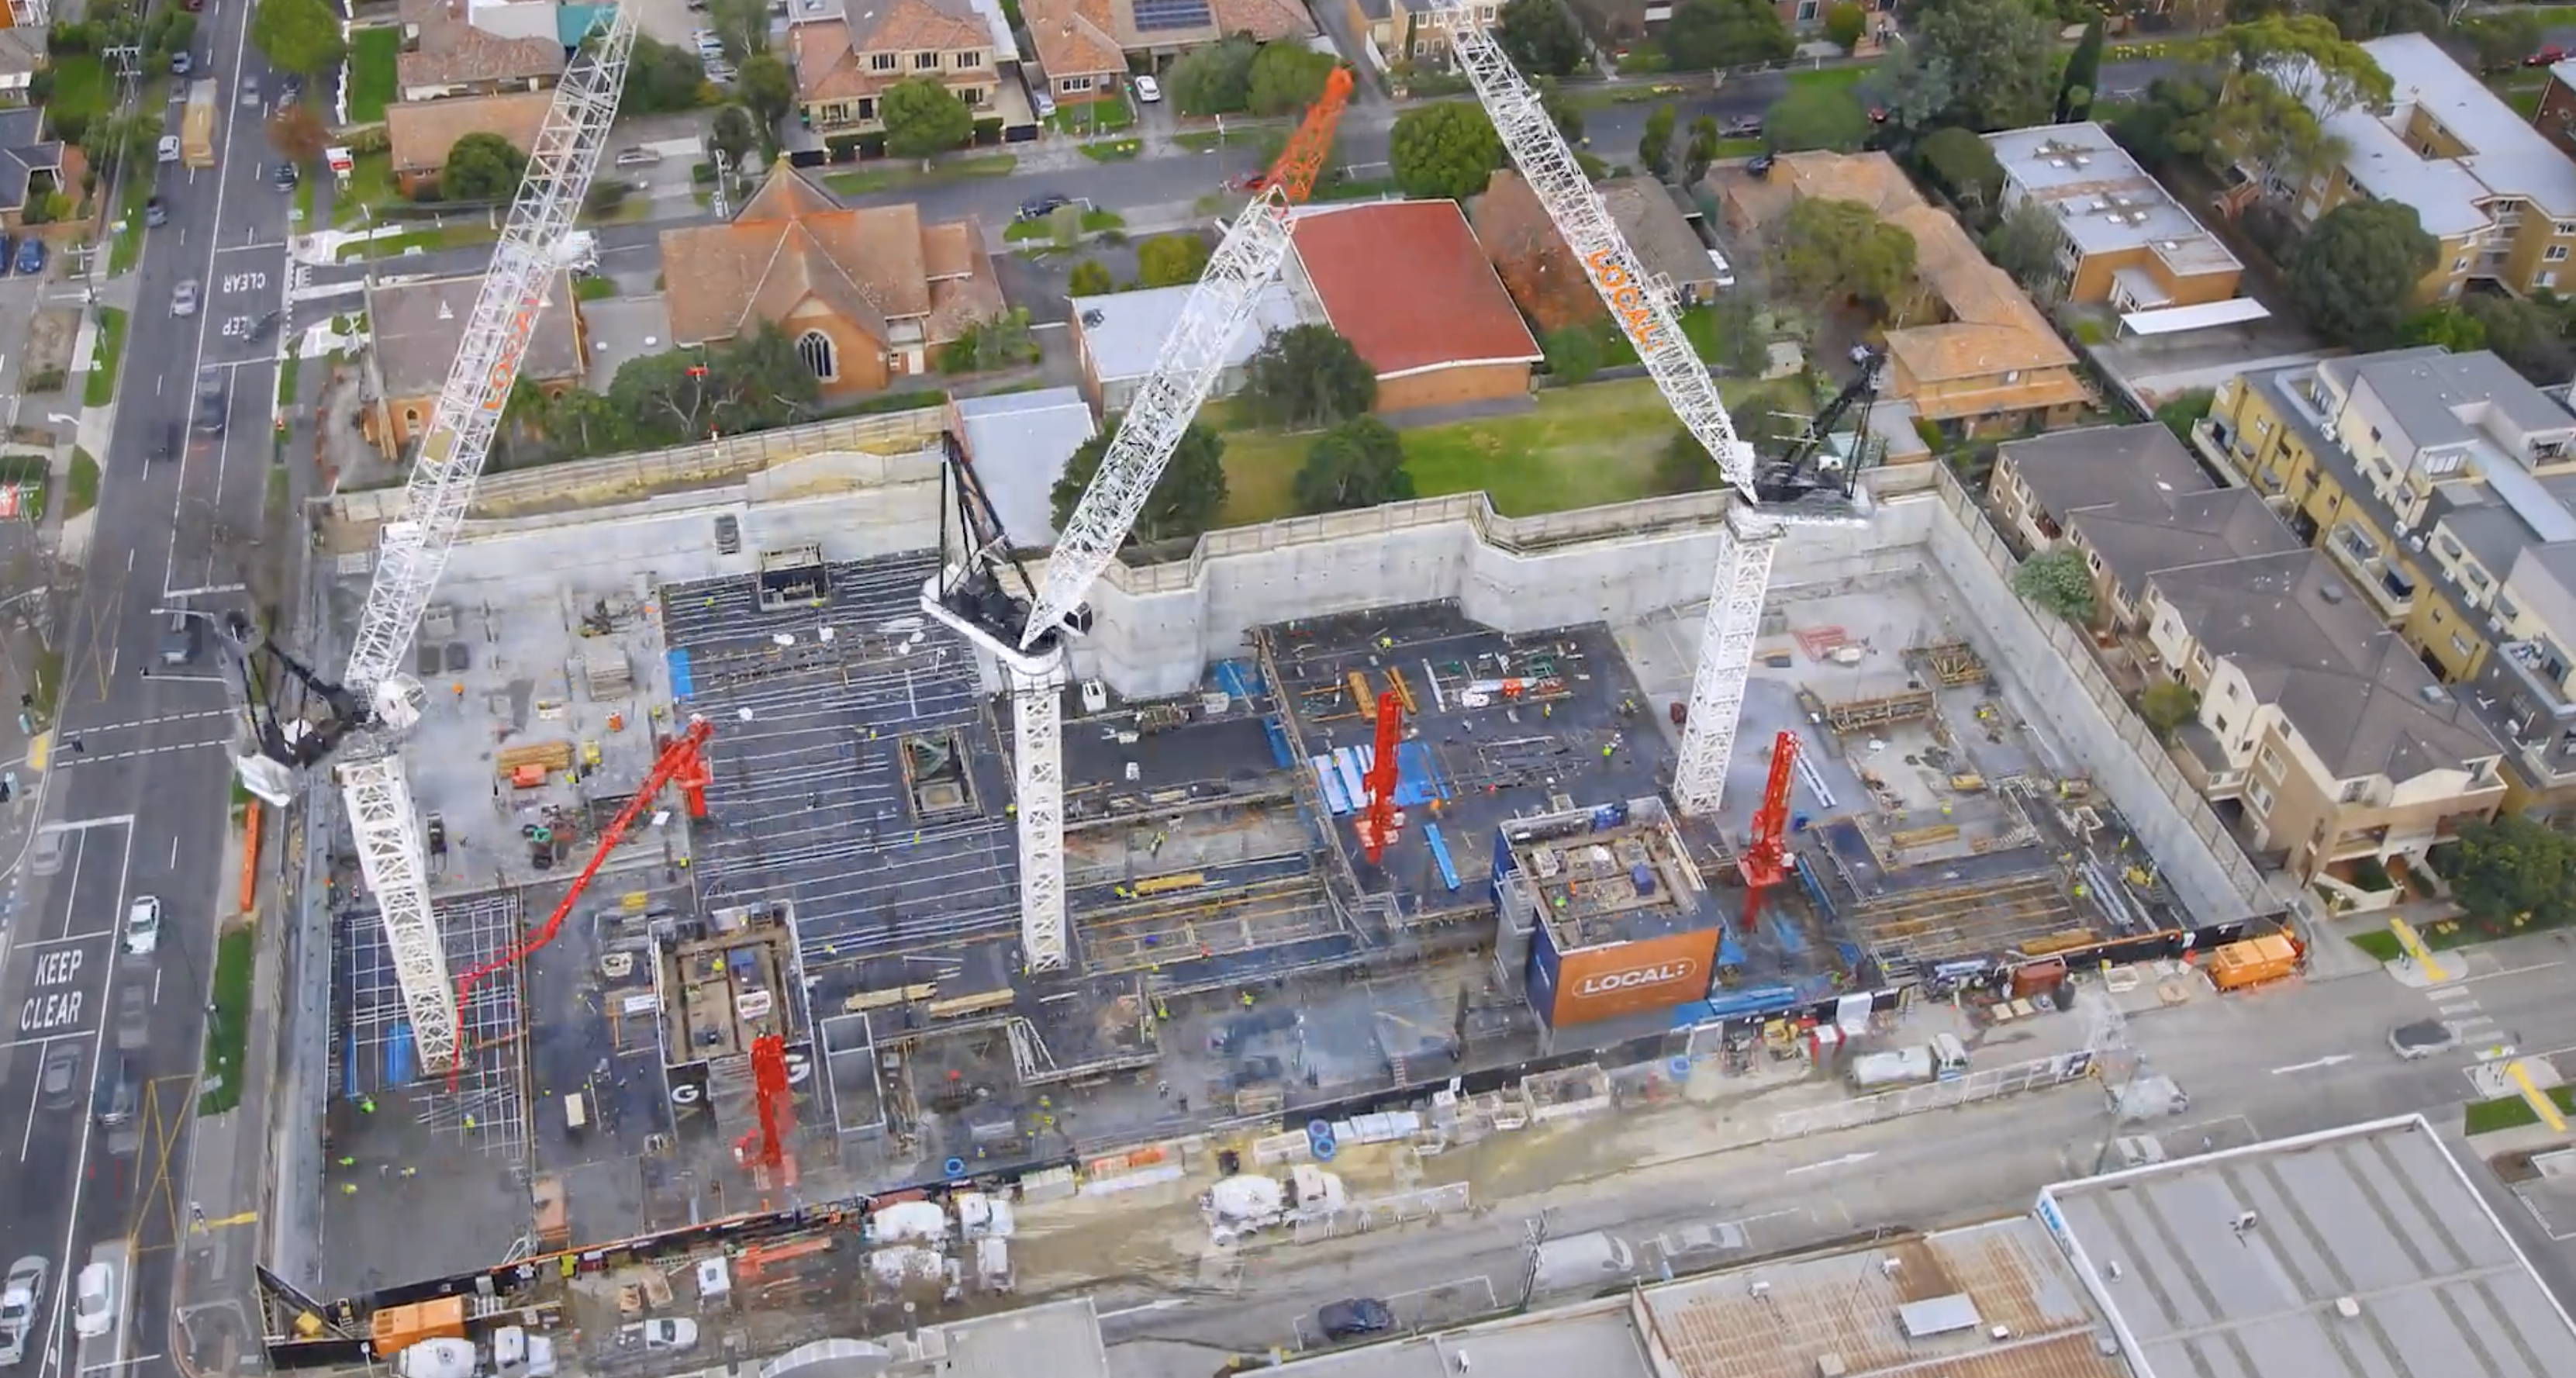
(1583, 1262)
(94, 1301)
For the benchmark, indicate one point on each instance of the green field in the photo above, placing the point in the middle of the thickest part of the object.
(1578, 447)
(101, 387)
(371, 72)
(228, 1022)
(2513, 1112)
(80, 86)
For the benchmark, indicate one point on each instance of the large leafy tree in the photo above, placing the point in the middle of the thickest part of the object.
(2512, 870)
(1813, 118)
(2002, 59)
(924, 119)
(764, 87)
(2056, 581)
(1215, 79)
(297, 35)
(1444, 151)
(1305, 377)
(735, 135)
(1170, 260)
(1540, 37)
(1835, 250)
(297, 134)
(1963, 164)
(2025, 243)
(661, 79)
(754, 383)
(1359, 463)
(2083, 71)
(2529, 336)
(2354, 276)
(1725, 33)
(1655, 145)
(1286, 77)
(2277, 64)
(1185, 500)
(481, 167)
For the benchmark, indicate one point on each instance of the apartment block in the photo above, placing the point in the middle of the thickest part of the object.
(2426, 477)
(2497, 193)
(2124, 239)
(2317, 725)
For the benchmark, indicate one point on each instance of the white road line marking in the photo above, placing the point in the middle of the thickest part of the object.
(101, 757)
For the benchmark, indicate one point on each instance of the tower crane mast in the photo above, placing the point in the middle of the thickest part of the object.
(375, 701)
(1642, 306)
(1024, 627)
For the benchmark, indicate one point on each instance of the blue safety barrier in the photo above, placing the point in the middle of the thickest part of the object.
(1279, 749)
(1354, 775)
(1414, 785)
(683, 684)
(1746, 1001)
(1440, 855)
(1792, 942)
(398, 1055)
(1238, 678)
(349, 1068)
(1730, 953)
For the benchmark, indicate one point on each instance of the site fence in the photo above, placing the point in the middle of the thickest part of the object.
(1990, 1084)
(1384, 1213)
(725, 459)
(2075, 648)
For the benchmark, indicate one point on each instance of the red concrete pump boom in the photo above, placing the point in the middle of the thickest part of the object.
(1380, 822)
(1765, 862)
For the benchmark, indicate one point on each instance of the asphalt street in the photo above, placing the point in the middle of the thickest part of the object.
(139, 780)
(2269, 1065)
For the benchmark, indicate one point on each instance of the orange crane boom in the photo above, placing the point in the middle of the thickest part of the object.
(1299, 163)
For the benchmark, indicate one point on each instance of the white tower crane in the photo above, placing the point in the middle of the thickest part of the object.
(1642, 306)
(1026, 634)
(376, 701)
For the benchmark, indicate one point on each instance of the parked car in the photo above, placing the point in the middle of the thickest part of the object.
(1741, 127)
(133, 1015)
(31, 255)
(94, 1302)
(58, 1078)
(1357, 1316)
(2423, 1038)
(181, 64)
(1148, 91)
(285, 178)
(169, 149)
(156, 213)
(2548, 56)
(183, 298)
(1044, 204)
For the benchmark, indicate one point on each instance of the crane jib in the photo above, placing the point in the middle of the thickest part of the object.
(1627, 297)
(505, 369)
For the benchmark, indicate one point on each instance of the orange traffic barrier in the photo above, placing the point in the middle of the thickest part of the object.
(250, 855)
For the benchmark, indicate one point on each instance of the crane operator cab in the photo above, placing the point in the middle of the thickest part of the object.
(1817, 475)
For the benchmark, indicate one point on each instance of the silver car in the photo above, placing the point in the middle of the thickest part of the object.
(22, 1299)
(183, 299)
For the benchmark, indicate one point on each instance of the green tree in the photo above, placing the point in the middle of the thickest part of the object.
(2056, 581)
(1359, 463)
(2355, 274)
(1306, 377)
(1743, 333)
(2167, 705)
(481, 167)
(924, 119)
(1539, 37)
(1213, 80)
(1286, 78)
(1764, 419)
(1171, 260)
(1064, 226)
(753, 383)
(1844, 24)
(1832, 250)
(1573, 353)
(2531, 337)
(297, 134)
(1185, 500)
(2083, 74)
(1444, 151)
(2503, 39)
(764, 87)
(2270, 87)
(297, 35)
(1704, 142)
(2448, 325)
(1000, 341)
(662, 79)
(734, 134)
(2184, 410)
(1962, 164)
(2512, 871)
(1655, 145)
(742, 26)
(2024, 244)
(1812, 118)
(1089, 279)
(2001, 56)
(1703, 34)
(1915, 90)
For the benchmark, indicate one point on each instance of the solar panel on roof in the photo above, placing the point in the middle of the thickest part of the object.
(1153, 15)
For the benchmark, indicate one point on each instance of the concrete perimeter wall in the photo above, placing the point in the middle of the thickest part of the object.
(1158, 627)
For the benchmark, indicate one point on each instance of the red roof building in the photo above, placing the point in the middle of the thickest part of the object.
(1406, 283)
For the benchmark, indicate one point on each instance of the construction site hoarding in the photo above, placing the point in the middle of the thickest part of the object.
(1605, 981)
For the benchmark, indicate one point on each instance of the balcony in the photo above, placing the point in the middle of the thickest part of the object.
(2390, 591)
(2223, 446)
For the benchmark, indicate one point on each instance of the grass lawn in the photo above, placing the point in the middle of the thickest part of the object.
(371, 72)
(286, 372)
(371, 183)
(2381, 944)
(2520, 88)
(101, 387)
(1830, 78)
(304, 199)
(1091, 117)
(1579, 447)
(227, 1023)
(887, 176)
(435, 237)
(2513, 1112)
(83, 484)
(1113, 150)
(80, 86)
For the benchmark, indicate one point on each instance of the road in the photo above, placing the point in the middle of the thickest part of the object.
(139, 785)
(2269, 1065)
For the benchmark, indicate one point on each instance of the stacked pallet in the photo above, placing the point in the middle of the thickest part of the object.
(545, 757)
(605, 670)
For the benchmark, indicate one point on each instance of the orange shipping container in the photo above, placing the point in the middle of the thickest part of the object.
(397, 1328)
(2253, 961)
(1613, 979)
